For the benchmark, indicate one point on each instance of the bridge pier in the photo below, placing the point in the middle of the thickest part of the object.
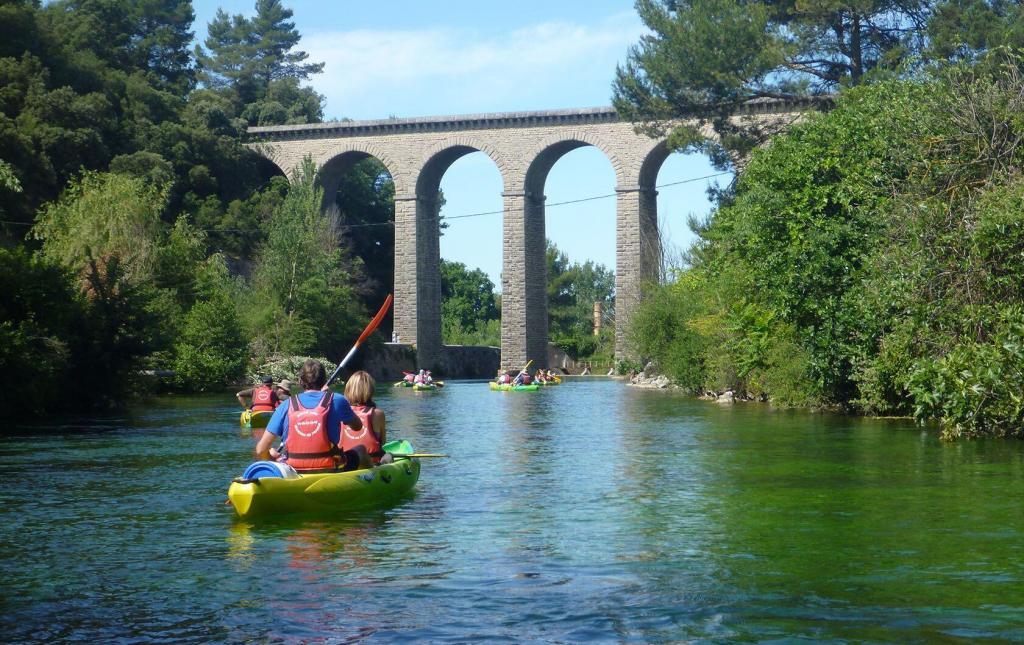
(418, 277)
(637, 258)
(524, 309)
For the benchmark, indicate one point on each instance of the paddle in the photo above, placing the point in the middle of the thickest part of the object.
(416, 455)
(366, 332)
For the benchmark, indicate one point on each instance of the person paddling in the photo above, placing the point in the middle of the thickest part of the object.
(360, 444)
(309, 426)
(265, 397)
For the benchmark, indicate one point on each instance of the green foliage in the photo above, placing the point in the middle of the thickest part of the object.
(964, 29)
(211, 349)
(255, 61)
(868, 259)
(286, 367)
(467, 303)
(572, 290)
(485, 332)
(702, 59)
(304, 300)
(42, 318)
(366, 206)
(100, 216)
(977, 388)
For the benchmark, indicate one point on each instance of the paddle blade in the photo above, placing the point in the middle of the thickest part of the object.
(366, 332)
(376, 320)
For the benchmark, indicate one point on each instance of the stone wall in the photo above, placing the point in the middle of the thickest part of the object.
(387, 362)
(468, 361)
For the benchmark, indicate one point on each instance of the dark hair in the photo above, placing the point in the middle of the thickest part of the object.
(312, 375)
(267, 378)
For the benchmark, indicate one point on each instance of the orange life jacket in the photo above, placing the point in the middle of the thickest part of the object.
(264, 399)
(366, 436)
(307, 445)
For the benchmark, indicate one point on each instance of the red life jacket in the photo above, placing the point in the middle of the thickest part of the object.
(308, 446)
(527, 379)
(264, 399)
(366, 436)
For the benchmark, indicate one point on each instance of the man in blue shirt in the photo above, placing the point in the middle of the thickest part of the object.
(312, 378)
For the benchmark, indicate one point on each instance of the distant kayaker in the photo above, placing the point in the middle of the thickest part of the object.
(309, 426)
(265, 397)
(284, 388)
(359, 445)
(423, 378)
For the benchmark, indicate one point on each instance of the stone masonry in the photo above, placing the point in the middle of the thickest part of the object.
(524, 146)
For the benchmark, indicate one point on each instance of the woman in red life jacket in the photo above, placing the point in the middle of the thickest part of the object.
(309, 426)
(366, 441)
(265, 397)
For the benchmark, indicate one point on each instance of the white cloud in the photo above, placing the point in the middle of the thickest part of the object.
(375, 73)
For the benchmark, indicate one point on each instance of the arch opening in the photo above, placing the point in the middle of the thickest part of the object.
(418, 285)
(572, 184)
(359, 191)
(683, 186)
(471, 253)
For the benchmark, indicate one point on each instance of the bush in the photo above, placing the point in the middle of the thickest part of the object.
(286, 367)
(978, 388)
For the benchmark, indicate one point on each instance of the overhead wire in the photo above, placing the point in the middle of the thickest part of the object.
(464, 216)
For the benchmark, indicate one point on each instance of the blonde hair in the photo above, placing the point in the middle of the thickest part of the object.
(359, 388)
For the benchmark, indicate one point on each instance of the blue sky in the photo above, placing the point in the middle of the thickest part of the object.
(415, 58)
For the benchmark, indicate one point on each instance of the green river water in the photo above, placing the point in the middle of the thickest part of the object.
(588, 511)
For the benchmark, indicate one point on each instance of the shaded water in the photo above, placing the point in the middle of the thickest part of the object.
(589, 511)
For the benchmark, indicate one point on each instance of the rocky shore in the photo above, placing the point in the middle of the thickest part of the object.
(650, 379)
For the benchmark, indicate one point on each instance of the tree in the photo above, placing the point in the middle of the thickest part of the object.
(467, 300)
(366, 205)
(104, 215)
(573, 289)
(255, 59)
(704, 59)
(965, 29)
(304, 300)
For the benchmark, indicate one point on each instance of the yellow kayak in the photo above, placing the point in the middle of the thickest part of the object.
(327, 493)
(250, 419)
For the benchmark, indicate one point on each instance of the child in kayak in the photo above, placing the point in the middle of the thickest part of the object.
(361, 444)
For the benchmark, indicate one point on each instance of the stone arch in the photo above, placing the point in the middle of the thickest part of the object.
(439, 158)
(651, 165)
(332, 167)
(547, 154)
(270, 156)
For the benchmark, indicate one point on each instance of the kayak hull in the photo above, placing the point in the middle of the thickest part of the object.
(250, 419)
(328, 493)
(423, 387)
(495, 387)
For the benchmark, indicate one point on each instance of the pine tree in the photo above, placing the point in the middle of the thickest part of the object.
(250, 54)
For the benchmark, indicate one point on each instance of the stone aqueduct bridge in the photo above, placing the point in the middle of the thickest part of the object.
(524, 146)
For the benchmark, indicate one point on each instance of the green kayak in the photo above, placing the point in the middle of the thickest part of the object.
(495, 387)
